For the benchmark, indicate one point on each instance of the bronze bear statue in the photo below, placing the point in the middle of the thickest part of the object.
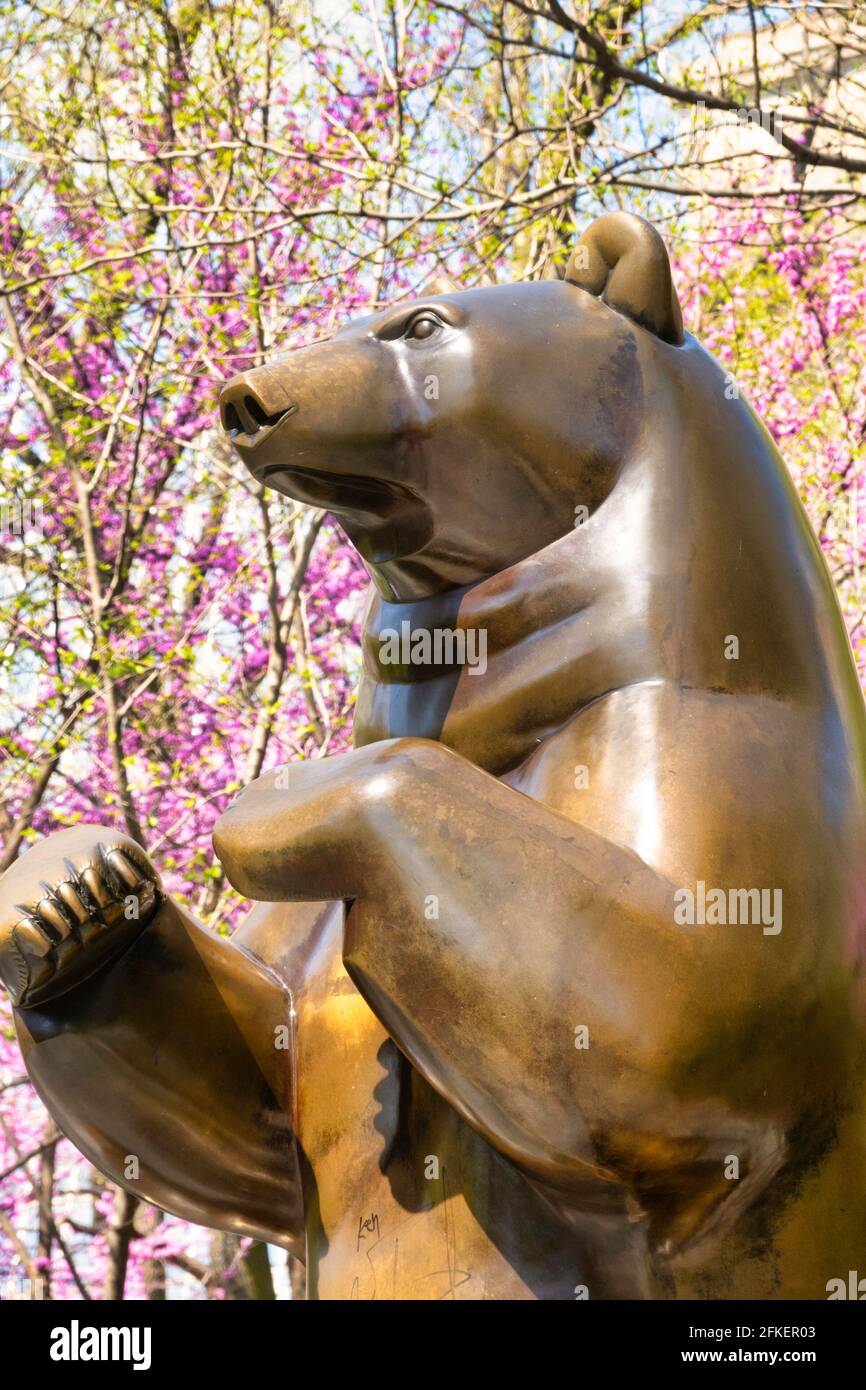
(556, 987)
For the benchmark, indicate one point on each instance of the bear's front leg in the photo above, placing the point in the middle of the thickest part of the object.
(485, 932)
(160, 1049)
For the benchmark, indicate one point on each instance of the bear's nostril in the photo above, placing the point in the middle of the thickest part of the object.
(257, 412)
(231, 420)
(248, 414)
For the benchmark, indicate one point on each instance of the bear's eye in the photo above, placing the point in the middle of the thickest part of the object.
(424, 326)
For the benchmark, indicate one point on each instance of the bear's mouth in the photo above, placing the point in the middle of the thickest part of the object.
(350, 492)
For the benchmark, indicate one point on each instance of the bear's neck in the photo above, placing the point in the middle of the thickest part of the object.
(536, 647)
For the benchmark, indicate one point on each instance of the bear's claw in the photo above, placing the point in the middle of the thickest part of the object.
(59, 938)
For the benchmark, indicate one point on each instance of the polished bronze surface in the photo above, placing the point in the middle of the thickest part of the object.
(555, 988)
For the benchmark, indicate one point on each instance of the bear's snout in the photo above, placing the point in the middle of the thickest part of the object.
(252, 404)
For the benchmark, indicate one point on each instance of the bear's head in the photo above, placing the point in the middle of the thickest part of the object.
(457, 434)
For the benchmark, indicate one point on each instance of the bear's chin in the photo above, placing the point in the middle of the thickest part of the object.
(380, 540)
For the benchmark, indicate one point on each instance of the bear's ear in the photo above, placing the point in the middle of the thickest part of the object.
(622, 260)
